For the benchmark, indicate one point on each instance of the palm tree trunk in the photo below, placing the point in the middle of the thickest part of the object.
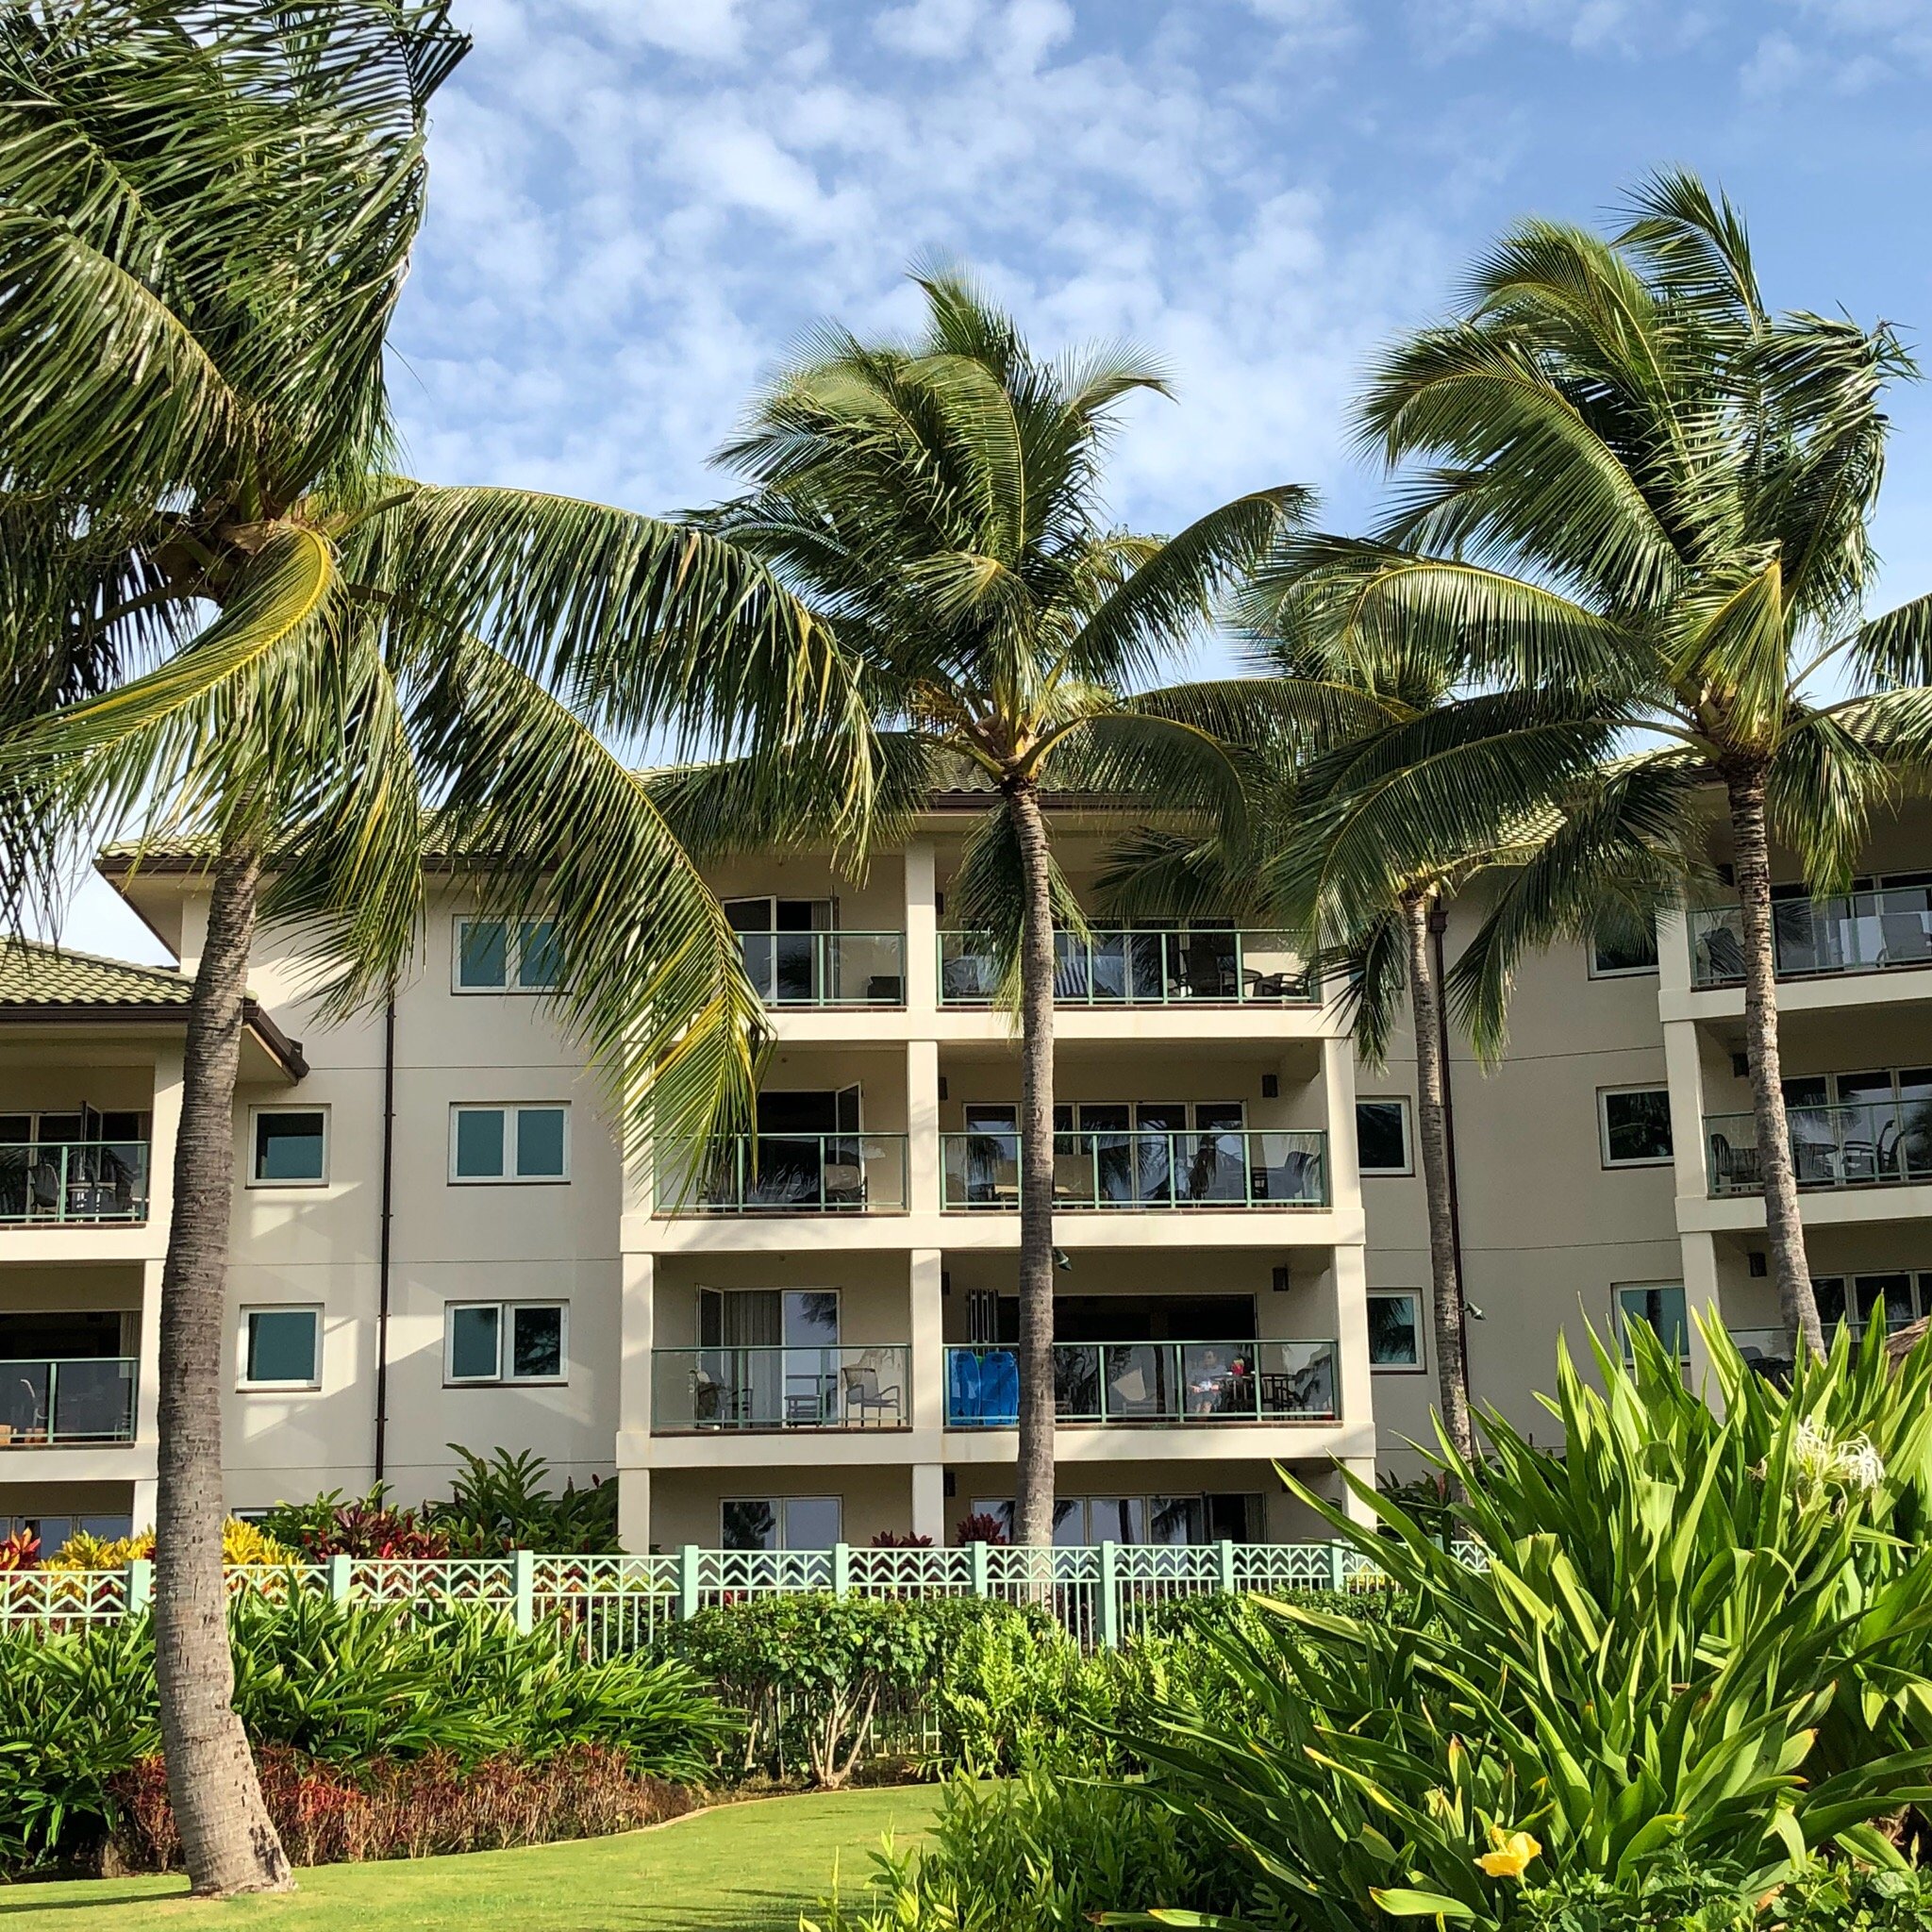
(226, 1838)
(1783, 1224)
(1432, 1130)
(1034, 1494)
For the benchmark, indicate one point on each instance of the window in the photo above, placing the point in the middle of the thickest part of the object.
(779, 1523)
(1636, 1125)
(1395, 1330)
(505, 1341)
(1612, 955)
(508, 1143)
(1079, 1521)
(291, 1148)
(1661, 1304)
(508, 956)
(281, 1348)
(1381, 1136)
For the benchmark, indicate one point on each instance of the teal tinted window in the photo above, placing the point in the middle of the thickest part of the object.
(540, 1143)
(290, 1147)
(540, 959)
(483, 953)
(281, 1345)
(1394, 1332)
(536, 1344)
(472, 1343)
(1663, 1309)
(479, 1144)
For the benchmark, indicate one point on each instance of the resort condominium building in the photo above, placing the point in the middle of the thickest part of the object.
(806, 1335)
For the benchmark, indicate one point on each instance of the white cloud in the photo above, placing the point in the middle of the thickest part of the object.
(707, 29)
(1775, 67)
(934, 29)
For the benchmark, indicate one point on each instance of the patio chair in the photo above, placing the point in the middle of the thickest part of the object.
(866, 1397)
(1904, 939)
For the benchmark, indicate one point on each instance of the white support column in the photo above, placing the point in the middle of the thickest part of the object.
(1364, 1469)
(639, 1323)
(925, 1331)
(1699, 1251)
(165, 1125)
(923, 1125)
(1338, 1111)
(922, 929)
(929, 1502)
(147, 1373)
(1684, 1073)
(1354, 1383)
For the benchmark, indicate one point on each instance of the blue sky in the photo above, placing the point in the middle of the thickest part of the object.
(636, 206)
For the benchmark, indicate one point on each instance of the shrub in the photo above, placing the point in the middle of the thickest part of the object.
(980, 1528)
(19, 1551)
(896, 1539)
(241, 1543)
(1695, 1639)
(363, 1526)
(411, 1809)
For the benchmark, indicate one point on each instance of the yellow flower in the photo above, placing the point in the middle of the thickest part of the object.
(1514, 1850)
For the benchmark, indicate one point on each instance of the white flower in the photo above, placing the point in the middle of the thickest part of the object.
(1823, 1459)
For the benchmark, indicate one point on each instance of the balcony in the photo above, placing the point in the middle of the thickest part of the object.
(694, 1390)
(81, 1399)
(1858, 1144)
(1851, 932)
(1117, 1384)
(827, 969)
(80, 1183)
(785, 1173)
(1159, 968)
(1145, 1172)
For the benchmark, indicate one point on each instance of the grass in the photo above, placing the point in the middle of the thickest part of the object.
(742, 1868)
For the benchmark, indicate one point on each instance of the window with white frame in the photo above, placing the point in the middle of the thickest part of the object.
(781, 1523)
(1634, 1126)
(1660, 1303)
(506, 1342)
(1381, 1136)
(514, 1142)
(508, 956)
(281, 1348)
(1623, 954)
(1395, 1328)
(288, 1147)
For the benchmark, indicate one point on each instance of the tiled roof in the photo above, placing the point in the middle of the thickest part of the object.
(33, 975)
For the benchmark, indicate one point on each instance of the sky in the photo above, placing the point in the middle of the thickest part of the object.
(639, 209)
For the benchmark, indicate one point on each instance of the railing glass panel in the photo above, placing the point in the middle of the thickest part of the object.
(1207, 1168)
(76, 1181)
(1156, 968)
(786, 1174)
(1848, 932)
(1867, 1144)
(1167, 1382)
(773, 1387)
(827, 969)
(81, 1399)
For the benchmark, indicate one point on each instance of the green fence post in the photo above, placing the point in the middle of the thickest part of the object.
(1109, 1596)
(687, 1582)
(1226, 1567)
(340, 1579)
(982, 1578)
(842, 1568)
(1338, 1566)
(522, 1571)
(141, 1584)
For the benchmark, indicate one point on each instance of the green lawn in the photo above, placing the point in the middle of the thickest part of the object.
(742, 1868)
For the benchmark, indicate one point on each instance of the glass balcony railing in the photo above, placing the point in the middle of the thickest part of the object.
(827, 969)
(1120, 1383)
(781, 1387)
(73, 1181)
(1866, 1143)
(1145, 969)
(84, 1399)
(1850, 932)
(784, 1174)
(1209, 1168)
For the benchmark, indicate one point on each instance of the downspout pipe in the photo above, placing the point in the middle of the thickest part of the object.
(1439, 925)
(382, 1235)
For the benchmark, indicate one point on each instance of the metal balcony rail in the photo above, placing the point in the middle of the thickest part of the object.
(857, 1387)
(1842, 932)
(73, 1181)
(1209, 1167)
(827, 969)
(1146, 968)
(1122, 1383)
(784, 1174)
(1862, 1145)
(77, 1399)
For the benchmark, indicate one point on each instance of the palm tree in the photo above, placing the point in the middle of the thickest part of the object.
(1640, 497)
(314, 669)
(938, 503)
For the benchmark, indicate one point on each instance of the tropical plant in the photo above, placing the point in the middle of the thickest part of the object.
(937, 502)
(306, 669)
(19, 1551)
(1695, 1641)
(1639, 501)
(503, 1502)
(363, 1526)
(241, 1543)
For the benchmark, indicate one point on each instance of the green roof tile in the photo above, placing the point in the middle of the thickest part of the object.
(33, 975)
